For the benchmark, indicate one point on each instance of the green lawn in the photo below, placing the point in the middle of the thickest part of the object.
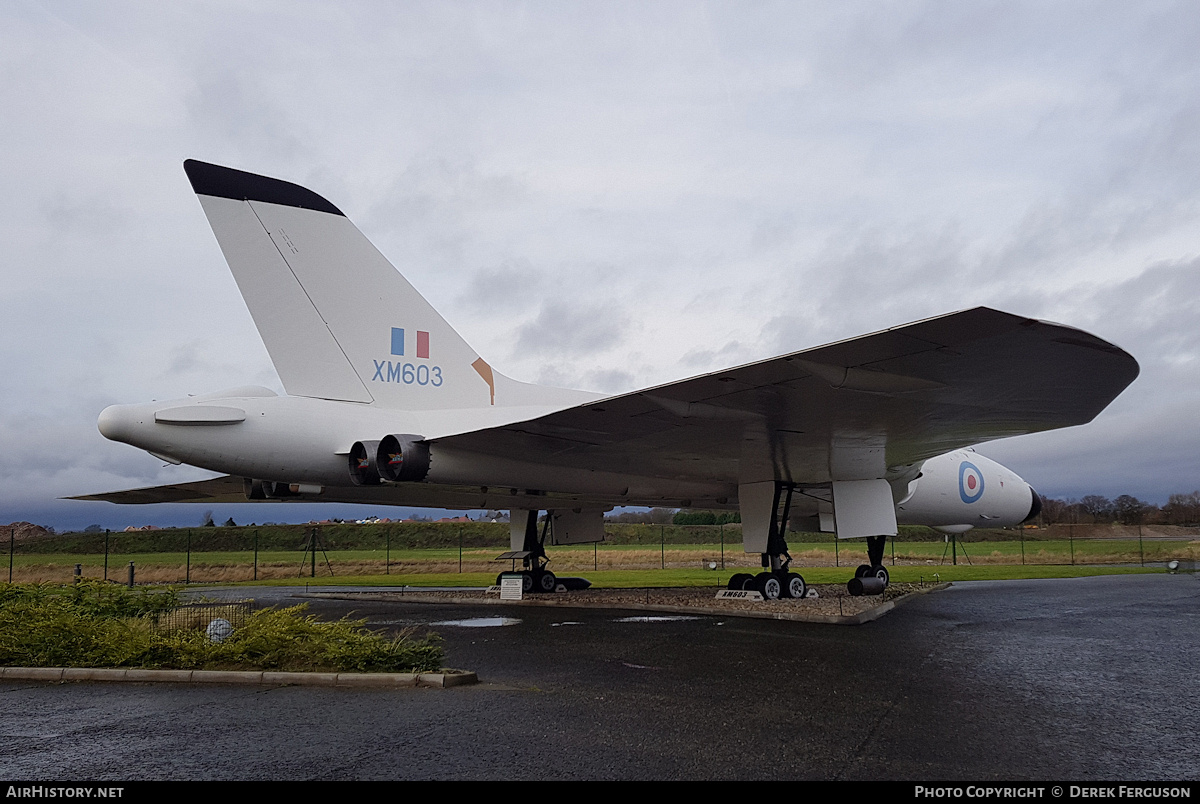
(619, 565)
(669, 578)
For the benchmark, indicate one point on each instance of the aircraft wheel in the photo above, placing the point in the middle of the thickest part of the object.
(526, 582)
(500, 579)
(881, 573)
(863, 571)
(546, 582)
(768, 585)
(738, 581)
(795, 586)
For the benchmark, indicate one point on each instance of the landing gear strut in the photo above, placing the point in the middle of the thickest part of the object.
(777, 580)
(535, 577)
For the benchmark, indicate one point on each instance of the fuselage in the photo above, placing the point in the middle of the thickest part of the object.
(254, 433)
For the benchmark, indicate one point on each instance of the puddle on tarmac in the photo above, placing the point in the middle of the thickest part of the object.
(667, 619)
(480, 622)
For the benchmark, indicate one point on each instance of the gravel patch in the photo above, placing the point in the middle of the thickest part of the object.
(833, 604)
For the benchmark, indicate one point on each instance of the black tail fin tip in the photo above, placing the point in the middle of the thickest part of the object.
(223, 182)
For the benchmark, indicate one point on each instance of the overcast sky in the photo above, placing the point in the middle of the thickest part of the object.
(601, 195)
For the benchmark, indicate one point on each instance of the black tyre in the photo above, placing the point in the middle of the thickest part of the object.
(768, 585)
(794, 586)
(881, 573)
(546, 582)
(863, 571)
(526, 582)
(738, 581)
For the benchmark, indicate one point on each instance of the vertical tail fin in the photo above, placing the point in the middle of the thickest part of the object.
(339, 321)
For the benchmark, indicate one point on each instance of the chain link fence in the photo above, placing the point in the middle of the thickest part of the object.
(311, 552)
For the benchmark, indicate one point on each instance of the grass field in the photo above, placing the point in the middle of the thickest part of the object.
(650, 564)
(672, 578)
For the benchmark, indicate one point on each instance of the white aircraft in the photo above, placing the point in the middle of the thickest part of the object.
(387, 404)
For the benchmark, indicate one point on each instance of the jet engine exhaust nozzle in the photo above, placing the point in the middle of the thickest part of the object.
(403, 458)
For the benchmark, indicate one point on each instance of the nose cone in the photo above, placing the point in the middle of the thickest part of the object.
(116, 422)
(1035, 506)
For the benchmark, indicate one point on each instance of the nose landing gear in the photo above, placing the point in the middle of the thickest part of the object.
(873, 578)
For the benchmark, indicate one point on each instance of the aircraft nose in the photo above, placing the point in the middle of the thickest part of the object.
(115, 422)
(1035, 506)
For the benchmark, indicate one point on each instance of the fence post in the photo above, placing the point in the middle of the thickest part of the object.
(722, 546)
(836, 560)
(106, 532)
(1022, 547)
(256, 554)
(130, 574)
(78, 573)
(387, 552)
(1141, 552)
(1072, 542)
(12, 541)
(662, 543)
(460, 549)
(187, 576)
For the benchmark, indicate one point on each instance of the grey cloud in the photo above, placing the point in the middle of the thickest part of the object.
(565, 329)
(614, 381)
(571, 375)
(604, 188)
(499, 290)
(231, 106)
(730, 354)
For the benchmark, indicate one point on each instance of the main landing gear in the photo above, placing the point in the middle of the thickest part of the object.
(777, 581)
(771, 585)
(535, 577)
(870, 579)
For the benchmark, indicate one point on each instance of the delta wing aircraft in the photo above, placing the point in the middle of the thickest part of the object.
(387, 404)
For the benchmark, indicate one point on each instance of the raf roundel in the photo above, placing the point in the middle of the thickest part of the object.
(970, 482)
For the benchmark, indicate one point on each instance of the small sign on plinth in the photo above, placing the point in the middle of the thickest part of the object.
(738, 594)
(511, 588)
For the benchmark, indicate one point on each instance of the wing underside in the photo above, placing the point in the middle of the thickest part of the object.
(228, 489)
(844, 411)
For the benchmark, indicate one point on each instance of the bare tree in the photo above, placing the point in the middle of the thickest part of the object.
(1129, 510)
(1097, 507)
(1183, 509)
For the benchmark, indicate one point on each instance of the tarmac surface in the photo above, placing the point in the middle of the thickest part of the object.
(1083, 679)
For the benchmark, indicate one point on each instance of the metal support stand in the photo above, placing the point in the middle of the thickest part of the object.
(310, 552)
(953, 546)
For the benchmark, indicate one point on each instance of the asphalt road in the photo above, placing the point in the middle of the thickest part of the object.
(1088, 679)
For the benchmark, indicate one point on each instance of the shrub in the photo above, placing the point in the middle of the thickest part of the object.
(94, 625)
